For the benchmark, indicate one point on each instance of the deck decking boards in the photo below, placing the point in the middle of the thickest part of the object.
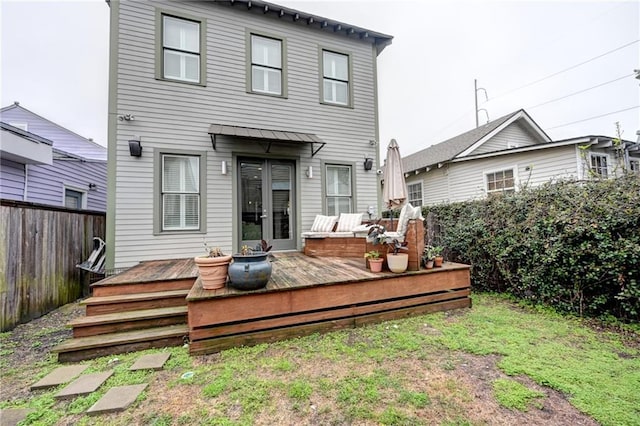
(155, 270)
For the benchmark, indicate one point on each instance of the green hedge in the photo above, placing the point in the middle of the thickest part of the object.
(575, 246)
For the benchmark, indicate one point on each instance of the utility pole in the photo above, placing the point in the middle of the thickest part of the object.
(486, 97)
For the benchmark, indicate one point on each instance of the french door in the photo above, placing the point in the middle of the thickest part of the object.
(266, 201)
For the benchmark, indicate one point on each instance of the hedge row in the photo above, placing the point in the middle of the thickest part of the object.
(572, 245)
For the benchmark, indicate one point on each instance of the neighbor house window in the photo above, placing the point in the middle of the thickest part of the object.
(22, 126)
(338, 189)
(500, 181)
(335, 78)
(73, 199)
(266, 65)
(415, 194)
(180, 192)
(634, 166)
(598, 165)
(181, 49)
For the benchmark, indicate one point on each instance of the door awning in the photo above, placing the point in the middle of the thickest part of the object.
(266, 137)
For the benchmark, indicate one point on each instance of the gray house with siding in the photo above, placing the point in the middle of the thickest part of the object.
(42, 162)
(235, 121)
(507, 154)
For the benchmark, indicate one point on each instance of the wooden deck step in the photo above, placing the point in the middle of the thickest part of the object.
(123, 321)
(82, 348)
(133, 302)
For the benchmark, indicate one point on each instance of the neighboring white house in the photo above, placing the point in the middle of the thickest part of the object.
(45, 163)
(507, 154)
(235, 121)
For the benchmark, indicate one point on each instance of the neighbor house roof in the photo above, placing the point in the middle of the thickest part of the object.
(465, 143)
(313, 21)
(64, 140)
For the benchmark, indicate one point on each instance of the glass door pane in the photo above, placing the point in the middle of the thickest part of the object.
(251, 205)
(281, 178)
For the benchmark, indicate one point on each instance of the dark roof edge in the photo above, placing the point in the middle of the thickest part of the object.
(381, 40)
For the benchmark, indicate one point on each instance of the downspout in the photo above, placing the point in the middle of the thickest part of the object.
(25, 194)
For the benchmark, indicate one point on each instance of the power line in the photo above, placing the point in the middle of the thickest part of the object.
(580, 91)
(565, 70)
(593, 118)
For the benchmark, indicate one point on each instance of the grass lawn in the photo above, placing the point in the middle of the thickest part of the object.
(496, 363)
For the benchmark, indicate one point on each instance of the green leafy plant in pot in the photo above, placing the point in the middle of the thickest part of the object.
(374, 259)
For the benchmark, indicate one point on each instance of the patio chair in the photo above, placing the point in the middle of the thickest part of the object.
(95, 261)
(407, 213)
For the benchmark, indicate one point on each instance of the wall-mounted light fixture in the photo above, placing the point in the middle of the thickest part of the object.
(224, 169)
(368, 164)
(135, 148)
(126, 117)
(309, 172)
(93, 186)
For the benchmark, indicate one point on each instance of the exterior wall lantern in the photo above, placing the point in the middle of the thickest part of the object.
(368, 164)
(135, 148)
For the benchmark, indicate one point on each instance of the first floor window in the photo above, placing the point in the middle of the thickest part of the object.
(335, 73)
(180, 192)
(598, 165)
(500, 181)
(415, 194)
(266, 65)
(339, 193)
(181, 49)
(73, 199)
(634, 166)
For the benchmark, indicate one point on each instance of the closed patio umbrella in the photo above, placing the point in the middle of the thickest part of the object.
(394, 192)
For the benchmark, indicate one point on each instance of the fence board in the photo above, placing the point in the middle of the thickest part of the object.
(39, 248)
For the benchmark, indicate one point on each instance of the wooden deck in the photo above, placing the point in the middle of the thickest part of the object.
(312, 294)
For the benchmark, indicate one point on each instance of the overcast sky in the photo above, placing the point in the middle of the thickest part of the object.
(524, 54)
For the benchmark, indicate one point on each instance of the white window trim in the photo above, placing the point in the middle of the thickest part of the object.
(421, 193)
(76, 189)
(516, 180)
(593, 173)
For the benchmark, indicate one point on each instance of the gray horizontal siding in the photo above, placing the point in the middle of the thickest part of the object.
(514, 135)
(174, 115)
(11, 180)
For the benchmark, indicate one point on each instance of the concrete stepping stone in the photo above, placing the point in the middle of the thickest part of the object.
(116, 399)
(12, 416)
(150, 362)
(59, 376)
(84, 385)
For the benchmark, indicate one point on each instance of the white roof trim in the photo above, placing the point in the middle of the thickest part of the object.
(520, 115)
(585, 140)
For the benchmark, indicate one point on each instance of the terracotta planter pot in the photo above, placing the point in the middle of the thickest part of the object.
(213, 271)
(437, 262)
(398, 262)
(376, 265)
(428, 264)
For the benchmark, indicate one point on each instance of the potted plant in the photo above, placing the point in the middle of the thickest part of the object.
(251, 269)
(397, 261)
(374, 259)
(428, 257)
(437, 259)
(213, 268)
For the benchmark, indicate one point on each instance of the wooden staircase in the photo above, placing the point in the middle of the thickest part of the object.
(143, 307)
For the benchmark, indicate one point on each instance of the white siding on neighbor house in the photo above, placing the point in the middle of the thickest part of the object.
(171, 115)
(11, 180)
(46, 184)
(435, 185)
(465, 179)
(514, 135)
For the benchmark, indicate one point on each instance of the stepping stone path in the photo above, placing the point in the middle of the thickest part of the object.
(150, 362)
(116, 399)
(84, 385)
(59, 376)
(12, 416)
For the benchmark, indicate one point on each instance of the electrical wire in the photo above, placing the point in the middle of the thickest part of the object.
(592, 118)
(580, 91)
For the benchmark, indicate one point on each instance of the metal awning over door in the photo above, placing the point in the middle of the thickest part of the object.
(266, 137)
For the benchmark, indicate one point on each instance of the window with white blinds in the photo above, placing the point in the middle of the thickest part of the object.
(338, 189)
(180, 192)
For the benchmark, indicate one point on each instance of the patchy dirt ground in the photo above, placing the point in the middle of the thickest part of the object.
(29, 344)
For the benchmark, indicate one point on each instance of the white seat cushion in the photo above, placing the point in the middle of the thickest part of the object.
(348, 222)
(405, 215)
(323, 223)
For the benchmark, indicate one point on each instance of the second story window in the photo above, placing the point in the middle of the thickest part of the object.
(266, 65)
(180, 49)
(335, 78)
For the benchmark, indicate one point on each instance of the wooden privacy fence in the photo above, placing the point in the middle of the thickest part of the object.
(40, 246)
